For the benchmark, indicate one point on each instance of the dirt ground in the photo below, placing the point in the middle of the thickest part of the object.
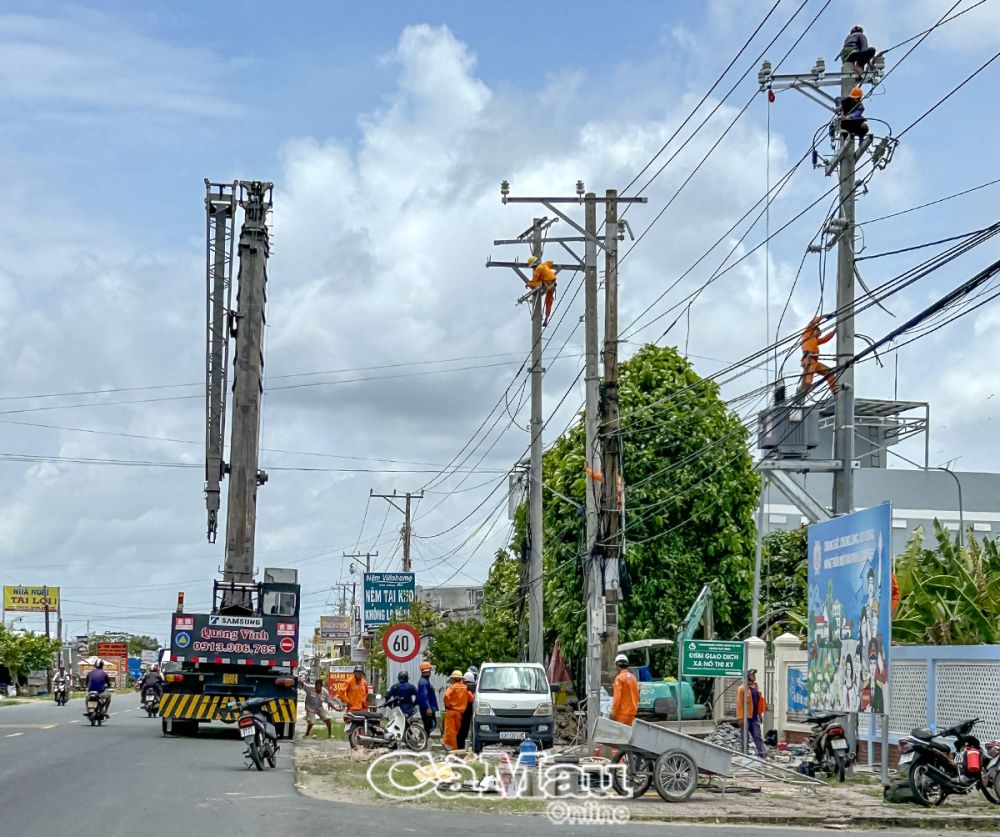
(328, 770)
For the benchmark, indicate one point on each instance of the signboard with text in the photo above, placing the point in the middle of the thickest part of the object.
(850, 599)
(210, 636)
(30, 599)
(112, 650)
(337, 676)
(711, 658)
(387, 598)
(334, 627)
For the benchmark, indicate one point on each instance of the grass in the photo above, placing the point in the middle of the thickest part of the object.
(11, 702)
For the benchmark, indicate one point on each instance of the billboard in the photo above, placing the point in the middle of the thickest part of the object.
(387, 598)
(30, 599)
(334, 627)
(850, 593)
(337, 676)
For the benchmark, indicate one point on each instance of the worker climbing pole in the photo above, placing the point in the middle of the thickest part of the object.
(543, 280)
(812, 339)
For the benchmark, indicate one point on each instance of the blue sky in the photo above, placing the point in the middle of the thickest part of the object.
(386, 128)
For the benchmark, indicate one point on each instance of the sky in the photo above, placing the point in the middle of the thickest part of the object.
(386, 129)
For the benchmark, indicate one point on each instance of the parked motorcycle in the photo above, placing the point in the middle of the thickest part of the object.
(375, 729)
(948, 763)
(828, 742)
(151, 703)
(257, 729)
(96, 707)
(60, 693)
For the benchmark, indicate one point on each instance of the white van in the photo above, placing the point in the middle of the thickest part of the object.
(513, 702)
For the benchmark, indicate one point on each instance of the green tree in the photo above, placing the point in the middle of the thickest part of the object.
(690, 498)
(949, 595)
(457, 645)
(784, 585)
(22, 653)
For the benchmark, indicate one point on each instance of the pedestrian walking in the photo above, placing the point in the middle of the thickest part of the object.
(750, 708)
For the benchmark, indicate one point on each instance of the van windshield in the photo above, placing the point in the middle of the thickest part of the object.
(513, 679)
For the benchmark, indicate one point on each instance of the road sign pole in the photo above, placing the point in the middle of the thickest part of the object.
(743, 683)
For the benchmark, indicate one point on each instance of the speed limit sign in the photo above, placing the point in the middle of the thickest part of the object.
(401, 643)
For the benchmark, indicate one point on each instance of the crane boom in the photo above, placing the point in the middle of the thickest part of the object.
(248, 370)
(220, 214)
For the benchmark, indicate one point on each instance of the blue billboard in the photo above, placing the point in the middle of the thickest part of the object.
(387, 598)
(850, 591)
(798, 693)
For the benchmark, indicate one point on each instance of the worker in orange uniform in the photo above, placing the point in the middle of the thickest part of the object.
(354, 694)
(544, 277)
(625, 700)
(456, 698)
(751, 706)
(812, 339)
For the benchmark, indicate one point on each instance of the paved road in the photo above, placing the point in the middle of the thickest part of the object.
(60, 776)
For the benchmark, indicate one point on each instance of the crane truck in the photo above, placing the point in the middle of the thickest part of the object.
(247, 644)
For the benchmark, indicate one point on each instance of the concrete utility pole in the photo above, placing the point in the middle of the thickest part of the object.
(611, 504)
(536, 618)
(593, 580)
(407, 531)
(595, 577)
(367, 556)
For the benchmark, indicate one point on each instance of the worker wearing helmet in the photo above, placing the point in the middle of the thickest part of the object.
(543, 277)
(469, 679)
(856, 50)
(812, 339)
(625, 700)
(152, 681)
(851, 113)
(427, 701)
(405, 692)
(456, 698)
(354, 694)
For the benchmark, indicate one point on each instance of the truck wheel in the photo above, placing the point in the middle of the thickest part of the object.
(675, 776)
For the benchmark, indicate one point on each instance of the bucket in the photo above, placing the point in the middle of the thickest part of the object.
(529, 753)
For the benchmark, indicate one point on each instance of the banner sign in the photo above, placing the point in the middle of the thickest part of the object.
(108, 650)
(387, 598)
(798, 693)
(30, 599)
(337, 676)
(850, 594)
(334, 627)
(204, 635)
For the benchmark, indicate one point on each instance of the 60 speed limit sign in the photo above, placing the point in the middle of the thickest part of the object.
(401, 643)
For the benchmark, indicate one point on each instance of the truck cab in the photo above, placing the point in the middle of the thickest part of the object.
(513, 702)
(246, 647)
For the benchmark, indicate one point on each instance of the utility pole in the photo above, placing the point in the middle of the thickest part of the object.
(367, 556)
(536, 618)
(407, 531)
(595, 577)
(593, 581)
(612, 497)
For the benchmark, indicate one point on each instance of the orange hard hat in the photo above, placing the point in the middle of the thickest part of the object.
(856, 93)
(425, 666)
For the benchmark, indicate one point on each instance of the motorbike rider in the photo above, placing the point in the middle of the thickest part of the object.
(427, 698)
(405, 692)
(151, 681)
(60, 679)
(97, 681)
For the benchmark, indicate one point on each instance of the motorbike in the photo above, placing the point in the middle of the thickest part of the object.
(96, 705)
(828, 742)
(258, 732)
(151, 703)
(375, 729)
(948, 763)
(60, 693)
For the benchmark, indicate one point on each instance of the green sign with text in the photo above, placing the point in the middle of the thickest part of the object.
(711, 658)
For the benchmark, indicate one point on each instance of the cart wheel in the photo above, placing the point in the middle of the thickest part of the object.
(635, 775)
(675, 776)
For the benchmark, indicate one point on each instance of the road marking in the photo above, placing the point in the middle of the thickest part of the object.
(27, 726)
(14, 735)
(76, 721)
